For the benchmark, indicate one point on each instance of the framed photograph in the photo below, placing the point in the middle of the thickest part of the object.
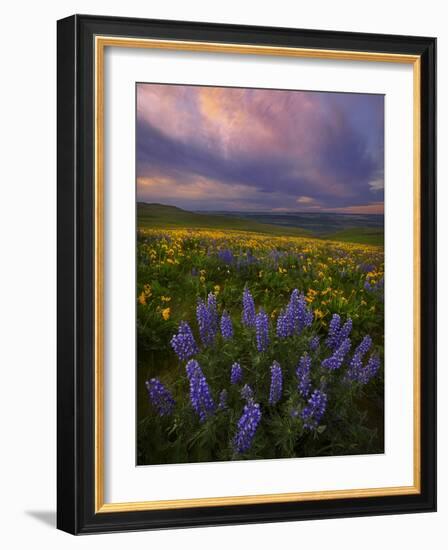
(246, 274)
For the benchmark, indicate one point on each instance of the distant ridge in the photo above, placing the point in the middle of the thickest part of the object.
(164, 216)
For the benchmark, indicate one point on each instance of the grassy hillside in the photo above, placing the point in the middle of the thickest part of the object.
(360, 235)
(171, 217)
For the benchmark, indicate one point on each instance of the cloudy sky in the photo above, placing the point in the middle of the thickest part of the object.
(210, 148)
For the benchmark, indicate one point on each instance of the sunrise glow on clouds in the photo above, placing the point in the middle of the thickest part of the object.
(207, 148)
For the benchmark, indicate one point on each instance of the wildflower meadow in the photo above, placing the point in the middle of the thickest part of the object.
(257, 346)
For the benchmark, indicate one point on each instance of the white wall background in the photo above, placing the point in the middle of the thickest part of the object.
(27, 272)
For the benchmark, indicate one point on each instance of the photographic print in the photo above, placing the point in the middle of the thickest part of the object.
(260, 273)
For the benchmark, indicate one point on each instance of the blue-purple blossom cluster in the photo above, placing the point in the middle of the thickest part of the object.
(295, 317)
(226, 326)
(248, 317)
(207, 317)
(183, 343)
(247, 393)
(246, 428)
(226, 256)
(314, 343)
(262, 330)
(377, 287)
(335, 361)
(275, 391)
(370, 370)
(337, 333)
(200, 395)
(236, 373)
(303, 373)
(314, 410)
(363, 373)
(356, 363)
(160, 398)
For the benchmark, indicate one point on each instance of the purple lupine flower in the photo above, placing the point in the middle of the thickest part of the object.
(356, 364)
(354, 369)
(314, 343)
(275, 391)
(370, 370)
(298, 315)
(200, 395)
(295, 317)
(213, 311)
(364, 267)
(293, 311)
(303, 373)
(314, 410)
(248, 316)
(183, 343)
(236, 373)
(336, 333)
(309, 317)
(226, 326)
(333, 331)
(282, 325)
(345, 330)
(226, 256)
(160, 398)
(207, 323)
(222, 403)
(246, 393)
(335, 361)
(247, 426)
(262, 330)
(364, 346)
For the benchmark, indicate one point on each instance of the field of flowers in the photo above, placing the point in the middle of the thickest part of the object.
(254, 346)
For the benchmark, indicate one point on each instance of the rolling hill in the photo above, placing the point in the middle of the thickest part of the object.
(161, 216)
(171, 217)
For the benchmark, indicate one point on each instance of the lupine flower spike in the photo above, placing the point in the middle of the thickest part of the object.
(262, 330)
(247, 426)
(248, 316)
(236, 373)
(275, 392)
(183, 343)
(200, 395)
(314, 411)
(226, 326)
(303, 373)
(160, 398)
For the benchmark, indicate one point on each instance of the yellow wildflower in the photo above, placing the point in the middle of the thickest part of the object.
(166, 313)
(318, 314)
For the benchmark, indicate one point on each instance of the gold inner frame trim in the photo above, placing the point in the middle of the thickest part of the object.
(101, 42)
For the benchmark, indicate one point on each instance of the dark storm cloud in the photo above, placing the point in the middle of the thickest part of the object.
(224, 148)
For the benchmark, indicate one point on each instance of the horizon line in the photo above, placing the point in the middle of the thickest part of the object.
(278, 212)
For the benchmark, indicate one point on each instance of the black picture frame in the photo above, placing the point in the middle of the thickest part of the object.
(76, 268)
